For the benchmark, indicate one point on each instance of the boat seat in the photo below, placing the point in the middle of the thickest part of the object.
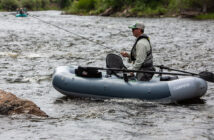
(114, 61)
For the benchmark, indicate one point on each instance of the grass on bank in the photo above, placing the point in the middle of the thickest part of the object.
(205, 16)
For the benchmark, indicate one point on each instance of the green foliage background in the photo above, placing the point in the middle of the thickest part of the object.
(140, 7)
(131, 7)
(11, 5)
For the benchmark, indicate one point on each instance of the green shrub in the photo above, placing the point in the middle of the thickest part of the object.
(141, 7)
(116, 4)
(73, 8)
(206, 16)
(174, 5)
(64, 3)
(45, 4)
(86, 5)
(119, 4)
(148, 8)
(81, 6)
(9, 4)
(29, 4)
(35, 4)
(100, 7)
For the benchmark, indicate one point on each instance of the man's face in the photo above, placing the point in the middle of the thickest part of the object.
(136, 32)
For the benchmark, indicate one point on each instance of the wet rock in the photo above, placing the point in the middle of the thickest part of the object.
(10, 105)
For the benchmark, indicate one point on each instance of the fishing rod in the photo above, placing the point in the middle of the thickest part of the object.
(72, 33)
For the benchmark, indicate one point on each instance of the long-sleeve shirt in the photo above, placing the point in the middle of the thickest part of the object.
(142, 48)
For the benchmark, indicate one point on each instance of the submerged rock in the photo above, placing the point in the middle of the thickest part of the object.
(10, 105)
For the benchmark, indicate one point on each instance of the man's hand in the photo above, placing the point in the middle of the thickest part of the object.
(131, 73)
(124, 54)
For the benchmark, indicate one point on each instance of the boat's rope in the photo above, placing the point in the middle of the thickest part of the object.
(72, 33)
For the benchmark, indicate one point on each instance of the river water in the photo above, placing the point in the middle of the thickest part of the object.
(31, 49)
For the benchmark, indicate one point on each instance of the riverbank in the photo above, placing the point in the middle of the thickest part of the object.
(128, 8)
(139, 8)
(128, 12)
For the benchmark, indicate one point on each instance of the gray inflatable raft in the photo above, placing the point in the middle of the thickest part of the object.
(66, 82)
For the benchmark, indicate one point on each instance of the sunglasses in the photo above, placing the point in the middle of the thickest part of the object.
(134, 29)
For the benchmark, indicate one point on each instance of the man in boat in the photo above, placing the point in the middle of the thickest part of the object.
(17, 11)
(21, 11)
(141, 53)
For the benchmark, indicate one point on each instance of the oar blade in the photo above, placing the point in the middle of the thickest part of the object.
(208, 76)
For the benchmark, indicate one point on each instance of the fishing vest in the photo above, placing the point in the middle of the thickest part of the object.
(149, 58)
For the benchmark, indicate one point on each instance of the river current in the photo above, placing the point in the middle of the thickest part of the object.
(30, 50)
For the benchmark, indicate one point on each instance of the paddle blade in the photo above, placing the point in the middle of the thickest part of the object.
(208, 76)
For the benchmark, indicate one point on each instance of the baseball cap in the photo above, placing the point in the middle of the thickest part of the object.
(137, 26)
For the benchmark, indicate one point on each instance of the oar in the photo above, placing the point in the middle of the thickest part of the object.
(139, 71)
(208, 76)
(164, 67)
